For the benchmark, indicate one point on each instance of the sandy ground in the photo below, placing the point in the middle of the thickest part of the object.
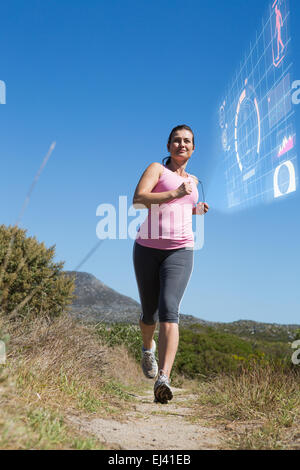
(153, 426)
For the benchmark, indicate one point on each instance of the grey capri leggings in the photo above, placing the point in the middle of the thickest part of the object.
(162, 277)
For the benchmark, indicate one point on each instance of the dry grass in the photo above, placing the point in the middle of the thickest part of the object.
(262, 405)
(54, 369)
(124, 369)
(59, 344)
(60, 368)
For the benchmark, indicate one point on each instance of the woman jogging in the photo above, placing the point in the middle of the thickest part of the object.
(163, 254)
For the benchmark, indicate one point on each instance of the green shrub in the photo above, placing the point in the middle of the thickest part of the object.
(121, 333)
(30, 282)
(297, 335)
(203, 351)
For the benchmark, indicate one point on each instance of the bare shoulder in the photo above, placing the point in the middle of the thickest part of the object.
(195, 178)
(155, 168)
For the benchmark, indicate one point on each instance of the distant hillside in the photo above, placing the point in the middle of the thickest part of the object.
(258, 330)
(97, 302)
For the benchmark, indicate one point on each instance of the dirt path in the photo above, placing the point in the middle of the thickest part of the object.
(153, 426)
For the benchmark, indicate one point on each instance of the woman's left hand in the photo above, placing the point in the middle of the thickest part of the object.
(200, 208)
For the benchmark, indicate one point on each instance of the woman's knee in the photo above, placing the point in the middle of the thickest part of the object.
(169, 319)
(149, 320)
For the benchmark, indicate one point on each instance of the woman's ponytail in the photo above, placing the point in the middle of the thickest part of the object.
(168, 161)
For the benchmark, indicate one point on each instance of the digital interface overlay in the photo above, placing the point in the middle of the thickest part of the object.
(256, 118)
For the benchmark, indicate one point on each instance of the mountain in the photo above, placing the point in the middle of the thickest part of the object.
(97, 302)
(257, 330)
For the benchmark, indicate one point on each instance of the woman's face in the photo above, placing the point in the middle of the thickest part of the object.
(181, 146)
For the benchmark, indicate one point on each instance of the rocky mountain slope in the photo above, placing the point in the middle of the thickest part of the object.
(96, 301)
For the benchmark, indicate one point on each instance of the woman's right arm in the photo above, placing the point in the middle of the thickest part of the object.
(148, 181)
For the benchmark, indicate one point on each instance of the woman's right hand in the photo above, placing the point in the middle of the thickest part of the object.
(183, 190)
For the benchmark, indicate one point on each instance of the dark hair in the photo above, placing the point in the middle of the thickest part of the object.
(177, 128)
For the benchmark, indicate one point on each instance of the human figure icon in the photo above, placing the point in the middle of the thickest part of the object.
(279, 24)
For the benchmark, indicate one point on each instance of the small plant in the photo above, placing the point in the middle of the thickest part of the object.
(30, 282)
(297, 334)
(119, 333)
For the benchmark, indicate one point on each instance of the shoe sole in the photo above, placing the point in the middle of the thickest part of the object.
(163, 394)
(147, 374)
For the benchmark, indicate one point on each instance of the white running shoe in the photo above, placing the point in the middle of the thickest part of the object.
(149, 364)
(162, 390)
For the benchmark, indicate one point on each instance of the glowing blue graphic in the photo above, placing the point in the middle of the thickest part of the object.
(279, 101)
(247, 131)
(256, 118)
(279, 29)
(284, 179)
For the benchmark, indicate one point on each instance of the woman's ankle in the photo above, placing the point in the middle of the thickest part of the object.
(163, 372)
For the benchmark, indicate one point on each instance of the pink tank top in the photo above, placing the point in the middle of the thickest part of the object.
(169, 225)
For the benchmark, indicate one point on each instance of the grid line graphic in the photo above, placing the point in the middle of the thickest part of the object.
(256, 117)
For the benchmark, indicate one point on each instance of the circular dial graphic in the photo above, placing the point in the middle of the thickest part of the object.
(283, 179)
(247, 130)
(222, 116)
(225, 139)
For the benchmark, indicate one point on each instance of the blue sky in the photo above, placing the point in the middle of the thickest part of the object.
(108, 81)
